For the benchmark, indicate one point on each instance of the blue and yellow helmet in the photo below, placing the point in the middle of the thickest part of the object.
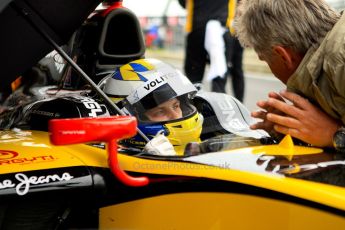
(148, 84)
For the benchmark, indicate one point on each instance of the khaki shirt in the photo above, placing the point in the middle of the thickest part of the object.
(320, 77)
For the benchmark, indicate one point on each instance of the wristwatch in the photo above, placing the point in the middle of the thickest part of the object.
(339, 139)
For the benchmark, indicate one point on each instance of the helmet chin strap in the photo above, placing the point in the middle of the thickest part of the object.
(65, 56)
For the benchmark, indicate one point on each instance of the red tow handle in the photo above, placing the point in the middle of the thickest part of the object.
(105, 129)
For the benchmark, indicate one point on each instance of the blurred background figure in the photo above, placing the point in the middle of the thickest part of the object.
(234, 53)
(199, 14)
(153, 37)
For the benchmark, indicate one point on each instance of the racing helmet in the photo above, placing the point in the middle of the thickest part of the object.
(153, 90)
(119, 84)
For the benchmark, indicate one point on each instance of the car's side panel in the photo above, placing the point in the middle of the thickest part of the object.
(333, 196)
(31, 150)
(207, 210)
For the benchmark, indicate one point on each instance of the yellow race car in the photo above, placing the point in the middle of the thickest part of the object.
(69, 172)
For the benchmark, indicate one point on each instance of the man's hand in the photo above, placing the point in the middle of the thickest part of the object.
(265, 124)
(301, 119)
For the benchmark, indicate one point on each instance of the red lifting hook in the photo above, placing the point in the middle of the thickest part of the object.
(105, 129)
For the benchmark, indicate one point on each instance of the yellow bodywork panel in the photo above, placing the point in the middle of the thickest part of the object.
(333, 196)
(31, 150)
(207, 210)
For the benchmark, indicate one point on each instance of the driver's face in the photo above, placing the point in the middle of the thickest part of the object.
(169, 110)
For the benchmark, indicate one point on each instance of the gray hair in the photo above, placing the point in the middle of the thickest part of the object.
(298, 24)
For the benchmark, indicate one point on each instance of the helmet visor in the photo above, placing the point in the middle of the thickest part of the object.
(162, 109)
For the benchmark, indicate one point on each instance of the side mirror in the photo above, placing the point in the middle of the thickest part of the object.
(105, 129)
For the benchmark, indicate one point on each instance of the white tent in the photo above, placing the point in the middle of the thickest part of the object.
(155, 8)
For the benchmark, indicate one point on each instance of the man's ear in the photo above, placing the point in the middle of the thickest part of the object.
(290, 58)
(287, 56)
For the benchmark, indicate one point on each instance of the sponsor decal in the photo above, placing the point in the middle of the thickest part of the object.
(154, 83)
(227, 109)
(73, 132)
(45, 113)
(92, 105)
(229, 115)
(8, 157)
(142, 91)
(22, 182)
(7, 154)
